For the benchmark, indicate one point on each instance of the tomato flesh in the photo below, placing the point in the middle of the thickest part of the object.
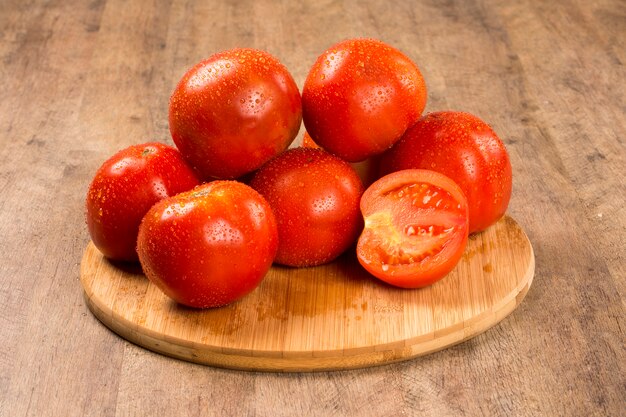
(416, 226)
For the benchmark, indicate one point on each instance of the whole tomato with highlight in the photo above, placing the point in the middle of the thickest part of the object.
(209, 246)
(234, 111)
(464, 148)
(315, 198)
(360, 96)
(124, 189)
(416, 228)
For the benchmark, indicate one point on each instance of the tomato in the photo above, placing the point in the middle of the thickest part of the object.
(209, 246)
(234, 111)
(367, 170)
(464, 148)
(416, 228)
(315, 198)
(124, 189)
(359, 98)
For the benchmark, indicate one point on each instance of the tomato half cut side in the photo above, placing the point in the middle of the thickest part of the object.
(416, 228)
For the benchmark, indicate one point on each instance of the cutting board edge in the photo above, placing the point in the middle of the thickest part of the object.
(309, 361)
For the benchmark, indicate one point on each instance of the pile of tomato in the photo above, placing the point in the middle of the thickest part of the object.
(208, 218)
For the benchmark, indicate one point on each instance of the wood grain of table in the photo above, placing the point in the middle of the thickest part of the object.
(81, 80)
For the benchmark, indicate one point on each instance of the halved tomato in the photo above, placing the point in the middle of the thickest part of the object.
(416, 228)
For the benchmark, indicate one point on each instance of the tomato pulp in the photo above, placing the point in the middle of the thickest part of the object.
(416, 228)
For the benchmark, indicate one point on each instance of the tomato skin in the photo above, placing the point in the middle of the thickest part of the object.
(464, 148)
(359, 98)
(308, 142)
(367, 170)
(315, 198)
(234, 111)
(416, 228)
(123, 190)
(209, 246)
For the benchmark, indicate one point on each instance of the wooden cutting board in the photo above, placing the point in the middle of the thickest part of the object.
(334, 316)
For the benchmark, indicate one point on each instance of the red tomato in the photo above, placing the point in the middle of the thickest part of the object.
(466, 149)
(234, 111)
(359, 98)
(124, 189)
(415, 228)
(209, 246)
(315, 198)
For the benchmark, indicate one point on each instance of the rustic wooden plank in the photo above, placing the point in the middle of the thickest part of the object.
(41, 218)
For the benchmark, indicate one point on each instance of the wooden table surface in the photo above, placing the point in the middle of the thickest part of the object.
(80, 80)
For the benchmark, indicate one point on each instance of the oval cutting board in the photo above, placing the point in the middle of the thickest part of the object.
(334, 316)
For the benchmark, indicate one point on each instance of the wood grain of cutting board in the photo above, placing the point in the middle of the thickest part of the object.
(328, 317)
